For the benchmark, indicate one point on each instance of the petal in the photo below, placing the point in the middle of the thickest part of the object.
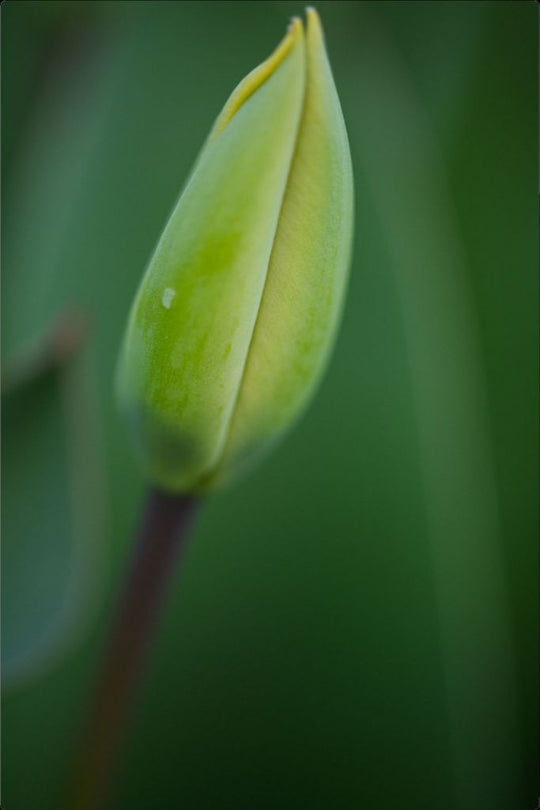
(307, 275)
(193, 319)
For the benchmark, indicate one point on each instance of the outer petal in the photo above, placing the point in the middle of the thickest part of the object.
(192, 323)
(306, 280)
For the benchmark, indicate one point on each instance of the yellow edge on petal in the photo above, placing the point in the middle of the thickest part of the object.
(256, 78)
(313, 25)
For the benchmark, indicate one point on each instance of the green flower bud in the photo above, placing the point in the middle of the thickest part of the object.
(234, 320)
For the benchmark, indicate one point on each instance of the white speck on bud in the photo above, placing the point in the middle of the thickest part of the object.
(167, 297)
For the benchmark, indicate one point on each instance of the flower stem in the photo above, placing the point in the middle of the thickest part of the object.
(164, 527)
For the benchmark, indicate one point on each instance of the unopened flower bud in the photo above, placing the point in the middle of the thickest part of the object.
(235, 317)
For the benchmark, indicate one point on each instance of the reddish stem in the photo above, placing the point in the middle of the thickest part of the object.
(164, 527)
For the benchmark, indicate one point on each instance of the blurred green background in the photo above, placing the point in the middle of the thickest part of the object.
(356, 624)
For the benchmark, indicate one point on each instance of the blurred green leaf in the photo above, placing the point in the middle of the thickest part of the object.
(53, 519)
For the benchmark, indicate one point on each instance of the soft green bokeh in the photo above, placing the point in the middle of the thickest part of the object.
(355, 625)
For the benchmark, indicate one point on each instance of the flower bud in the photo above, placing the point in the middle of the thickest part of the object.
(234, 319)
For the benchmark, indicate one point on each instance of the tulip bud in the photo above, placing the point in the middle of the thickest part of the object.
(234, 319)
